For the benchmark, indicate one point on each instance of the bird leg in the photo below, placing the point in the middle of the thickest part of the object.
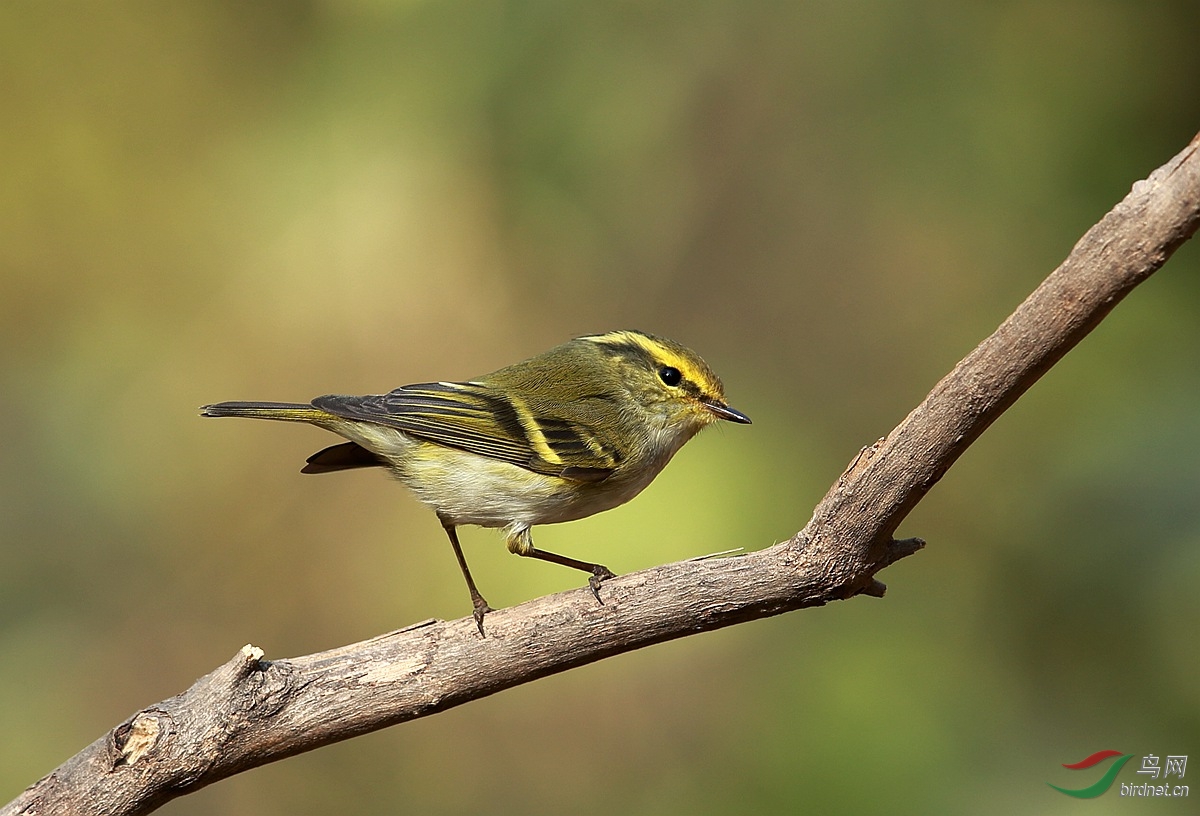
(480, 605)
(521, 543)
(599, 571)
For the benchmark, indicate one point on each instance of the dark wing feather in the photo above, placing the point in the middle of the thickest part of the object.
(485, 421)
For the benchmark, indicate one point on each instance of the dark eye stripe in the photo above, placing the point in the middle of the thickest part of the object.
(632, 351)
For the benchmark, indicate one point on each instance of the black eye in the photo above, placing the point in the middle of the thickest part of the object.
(670, 376)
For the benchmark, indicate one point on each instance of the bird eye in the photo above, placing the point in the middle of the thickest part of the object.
(670, 376)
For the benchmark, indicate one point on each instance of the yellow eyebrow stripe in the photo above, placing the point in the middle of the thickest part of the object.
(657, 351)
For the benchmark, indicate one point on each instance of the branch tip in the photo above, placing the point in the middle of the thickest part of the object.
(876, 589)
(904, 547)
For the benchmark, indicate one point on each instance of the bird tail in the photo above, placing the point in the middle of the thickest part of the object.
(286, 411)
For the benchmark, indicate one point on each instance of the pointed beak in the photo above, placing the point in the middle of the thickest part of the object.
(723, 411)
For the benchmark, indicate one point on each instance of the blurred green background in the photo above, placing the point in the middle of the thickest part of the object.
(831, 201)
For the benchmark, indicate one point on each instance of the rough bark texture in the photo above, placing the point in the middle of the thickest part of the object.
(252, 711)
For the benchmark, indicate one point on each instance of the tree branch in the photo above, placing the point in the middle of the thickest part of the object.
(252, 711)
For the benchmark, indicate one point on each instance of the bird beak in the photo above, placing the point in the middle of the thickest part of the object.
(723, 411)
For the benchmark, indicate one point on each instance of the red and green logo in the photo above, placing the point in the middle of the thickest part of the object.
(1103, 783)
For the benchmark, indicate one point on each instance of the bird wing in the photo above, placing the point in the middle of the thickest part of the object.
(488, 422)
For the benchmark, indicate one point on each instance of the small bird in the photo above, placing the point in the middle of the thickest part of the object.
(579, 429)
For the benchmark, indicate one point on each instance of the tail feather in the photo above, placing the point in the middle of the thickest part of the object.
(286, 411)
(345, 456)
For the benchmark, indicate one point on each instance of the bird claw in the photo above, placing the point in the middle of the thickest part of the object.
(599, 573)
(481, 609)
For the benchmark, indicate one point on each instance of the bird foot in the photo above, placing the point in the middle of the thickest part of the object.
(481, 609)
(599, 573)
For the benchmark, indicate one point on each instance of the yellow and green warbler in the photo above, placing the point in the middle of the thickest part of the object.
(579, 429)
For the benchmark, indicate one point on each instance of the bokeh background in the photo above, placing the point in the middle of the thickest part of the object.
(831, 201)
